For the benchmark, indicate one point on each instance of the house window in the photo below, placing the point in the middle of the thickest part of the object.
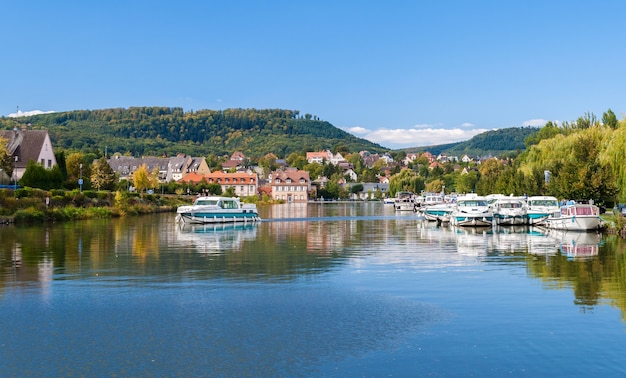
(49, 163)
(43, 161)
(242, 188)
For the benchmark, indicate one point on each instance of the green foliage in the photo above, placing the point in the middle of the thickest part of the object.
(37, 176)
(162, 130)
(356, 188)
(490, 143)
(406, 181)
(584, 164)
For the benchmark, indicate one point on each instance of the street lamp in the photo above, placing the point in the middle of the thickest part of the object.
(80, 179)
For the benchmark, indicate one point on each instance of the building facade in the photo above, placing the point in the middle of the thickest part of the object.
(290, 185)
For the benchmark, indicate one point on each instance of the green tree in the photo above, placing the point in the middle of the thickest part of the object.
(609, 119)
(356, 188)
(406, 181)
(102, 175)
(36, 176)
(466, 183)
(6, 163)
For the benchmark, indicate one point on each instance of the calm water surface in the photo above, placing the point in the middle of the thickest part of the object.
(314, 290)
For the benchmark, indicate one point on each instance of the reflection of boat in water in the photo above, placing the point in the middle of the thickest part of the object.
(577, 244)
(541, 244)
(473, 241)
(217, 210)
(216, 238)
(510, 239)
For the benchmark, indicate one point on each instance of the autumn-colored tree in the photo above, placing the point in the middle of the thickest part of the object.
(6, 163)
(142, 179)
(102, 175)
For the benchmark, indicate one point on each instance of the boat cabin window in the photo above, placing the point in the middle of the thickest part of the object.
(472, 203)
(229, 205)
(206, 202)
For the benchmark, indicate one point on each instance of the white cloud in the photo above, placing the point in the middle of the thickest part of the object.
(29, 113)
(416, 137)
(535, 122)
(467, 124)
(357, 130)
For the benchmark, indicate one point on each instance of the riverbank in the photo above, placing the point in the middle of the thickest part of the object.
(30, 205)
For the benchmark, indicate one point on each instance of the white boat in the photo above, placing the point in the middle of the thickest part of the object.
(473, 211)
(214, 209)
(538, 208)
(510, 211)
(575, 217)
(405, 201)
(440, 212)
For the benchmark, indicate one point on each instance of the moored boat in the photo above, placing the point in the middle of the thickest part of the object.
(538, 208)
(440, 212)
(471, 210)
(405, 201)
(510, 211)
(575, 217)
(215, 209)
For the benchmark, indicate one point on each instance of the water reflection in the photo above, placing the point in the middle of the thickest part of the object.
(295, 240)
(307, 287)
(215, 238)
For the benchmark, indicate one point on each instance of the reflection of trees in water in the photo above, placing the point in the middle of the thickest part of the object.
(591, 278)
(151, 248)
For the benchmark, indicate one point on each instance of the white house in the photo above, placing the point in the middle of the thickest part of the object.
(29, 145)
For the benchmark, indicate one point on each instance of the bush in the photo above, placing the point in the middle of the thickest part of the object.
(30, 215)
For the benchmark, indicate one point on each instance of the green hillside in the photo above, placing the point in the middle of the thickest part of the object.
(162, 130)
(491, 143)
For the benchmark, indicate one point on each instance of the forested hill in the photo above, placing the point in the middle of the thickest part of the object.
(162, 130)
(491, 143)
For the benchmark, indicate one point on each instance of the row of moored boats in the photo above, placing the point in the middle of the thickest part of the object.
(486, 211)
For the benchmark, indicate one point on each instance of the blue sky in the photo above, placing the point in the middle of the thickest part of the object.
(398, 73)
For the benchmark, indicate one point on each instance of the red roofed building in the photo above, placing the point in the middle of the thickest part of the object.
(290, 185)
(244, 184)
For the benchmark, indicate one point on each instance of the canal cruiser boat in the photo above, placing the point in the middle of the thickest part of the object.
(215, 209)
(405, 201)
(472, 210)
(538, 208)
(510, 211)
(440, 212)
(575, 217)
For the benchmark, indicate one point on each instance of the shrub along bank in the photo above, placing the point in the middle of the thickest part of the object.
(29, 205)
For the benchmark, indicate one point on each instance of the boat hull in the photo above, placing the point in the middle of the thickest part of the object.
(575, 217)
(537, 219)
(574, 223)
(244, 216)
(471, 221)
(510, 219)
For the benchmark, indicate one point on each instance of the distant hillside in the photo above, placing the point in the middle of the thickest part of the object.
(491, 143)
(162, 130)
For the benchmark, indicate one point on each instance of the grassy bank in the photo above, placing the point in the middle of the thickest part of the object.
(30, 205)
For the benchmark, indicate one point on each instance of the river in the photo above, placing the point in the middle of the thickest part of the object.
(334, 289)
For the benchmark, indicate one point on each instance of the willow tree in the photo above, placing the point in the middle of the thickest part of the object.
(614, 156)
(577, 170)
(407, 180)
